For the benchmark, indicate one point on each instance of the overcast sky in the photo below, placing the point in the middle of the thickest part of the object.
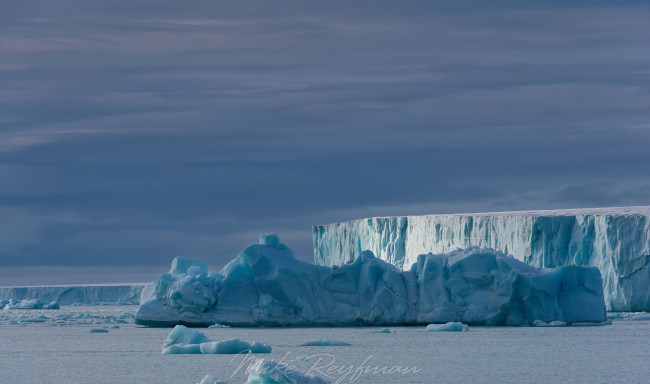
(135, 131)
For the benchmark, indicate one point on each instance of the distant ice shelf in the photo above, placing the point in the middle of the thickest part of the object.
(115, 294)
(267, 286)
(614, 240)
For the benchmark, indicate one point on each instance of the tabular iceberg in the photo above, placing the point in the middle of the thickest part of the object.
(266, 286)
(123, 294)
(614, 240)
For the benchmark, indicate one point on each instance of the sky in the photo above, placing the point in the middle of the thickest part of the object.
(135, 131)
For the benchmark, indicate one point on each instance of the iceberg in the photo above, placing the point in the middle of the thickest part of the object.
(183, 340)
(267, 286)
(115, 294)
(539, 323)
(28, 304)
(614, 240)
(449, 327)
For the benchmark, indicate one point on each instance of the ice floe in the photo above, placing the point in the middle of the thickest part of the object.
(183, 340)
(448, 327)
(325, 343)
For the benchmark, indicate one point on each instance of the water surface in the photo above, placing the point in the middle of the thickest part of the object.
(42, 353)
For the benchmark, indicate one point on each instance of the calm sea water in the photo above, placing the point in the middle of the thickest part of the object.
(620, 353)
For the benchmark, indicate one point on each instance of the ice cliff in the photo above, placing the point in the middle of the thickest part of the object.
(266, 286)
(614, 240)
(123, 294)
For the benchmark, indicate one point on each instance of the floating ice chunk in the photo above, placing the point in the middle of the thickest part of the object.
(324, 343)
(587, 324)
(182, 349)
(183, 340)
(233, 347)
(258, 347)
(217, 325)
(383, 330)
(448, 327)
(29, 304)
(33, 319)
(540, 323)
(52, 305)
(628, 315)
(97, 330)
(207, 379)
(270, 372)
(183, 335)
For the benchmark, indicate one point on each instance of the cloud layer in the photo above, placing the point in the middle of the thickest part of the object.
(132, 132)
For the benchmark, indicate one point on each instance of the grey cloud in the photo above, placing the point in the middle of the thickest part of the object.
(131, 133)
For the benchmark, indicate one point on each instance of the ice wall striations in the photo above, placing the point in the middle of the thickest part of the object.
(77, 294)
(615, 240)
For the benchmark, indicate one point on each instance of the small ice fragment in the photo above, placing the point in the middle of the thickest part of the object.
(586, 324)
(383, 330)
(183, 335)
(52, 305)
(258, 347)
(540, 323)
(217, 325)
(97, 330)
(621, 315)
(183, 340)
(233, 347)
(448, 327)
(182, 349)
(324, 343)
(28, 304)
